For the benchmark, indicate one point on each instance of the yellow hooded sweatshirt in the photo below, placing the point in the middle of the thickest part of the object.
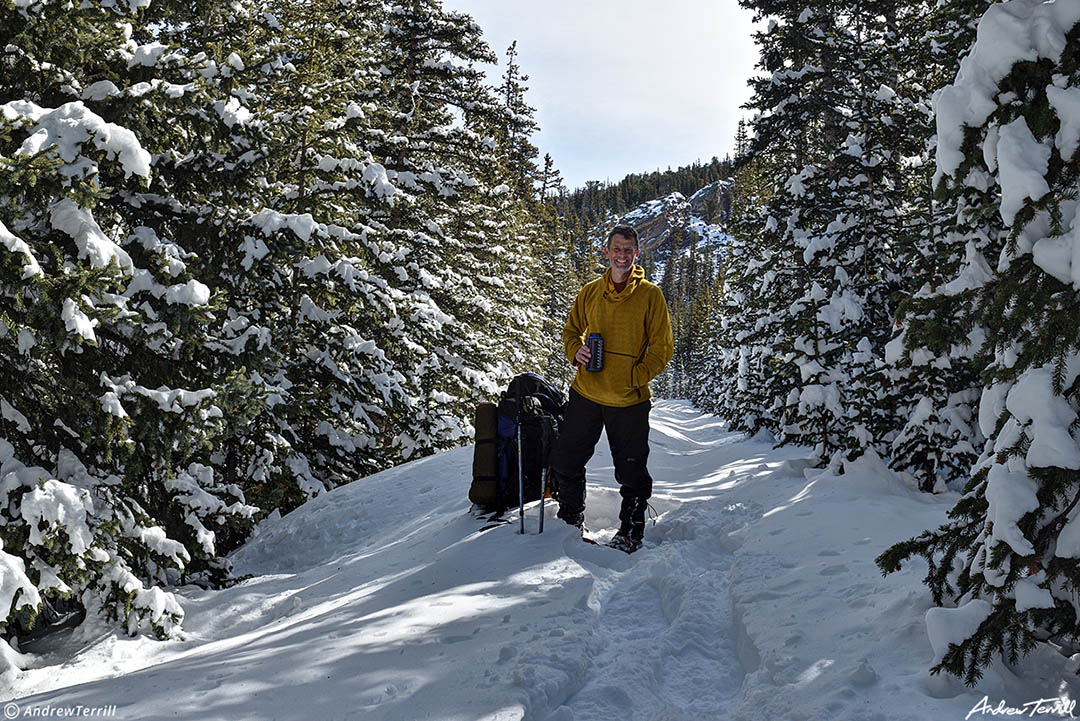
(637, 338)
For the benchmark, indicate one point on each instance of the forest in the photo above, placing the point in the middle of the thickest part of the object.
(261, 249)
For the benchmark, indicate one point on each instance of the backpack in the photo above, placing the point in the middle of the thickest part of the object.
(495, 454)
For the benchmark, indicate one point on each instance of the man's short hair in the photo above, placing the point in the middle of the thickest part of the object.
(625, 231)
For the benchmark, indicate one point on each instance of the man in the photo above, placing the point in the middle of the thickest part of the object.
(632, 317)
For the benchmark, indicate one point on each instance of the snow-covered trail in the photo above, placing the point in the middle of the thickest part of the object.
(756, 597)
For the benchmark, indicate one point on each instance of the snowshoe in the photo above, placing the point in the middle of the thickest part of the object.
(579, 523)
(490, 518)
(624, 542)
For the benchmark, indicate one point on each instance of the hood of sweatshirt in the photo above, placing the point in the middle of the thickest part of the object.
(637, 274)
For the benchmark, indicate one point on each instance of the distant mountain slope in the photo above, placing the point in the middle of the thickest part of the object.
(673, 216)
(598, 200)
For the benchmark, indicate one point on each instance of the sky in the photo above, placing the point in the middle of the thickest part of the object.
(629, 86)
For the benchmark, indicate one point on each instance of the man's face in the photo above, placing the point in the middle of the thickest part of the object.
(621, 252)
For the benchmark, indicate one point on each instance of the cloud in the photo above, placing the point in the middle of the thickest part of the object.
(626, 86)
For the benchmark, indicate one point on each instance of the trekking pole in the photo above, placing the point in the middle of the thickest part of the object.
(543, 494)
(547, 440)
(521, 472)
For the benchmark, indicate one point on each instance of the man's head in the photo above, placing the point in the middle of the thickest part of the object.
(626, 232)
(622, 249)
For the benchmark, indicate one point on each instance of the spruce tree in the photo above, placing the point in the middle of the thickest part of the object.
(797, 126)
(518, 123)
(843, 221)
(311, 274)
(109, 417)
(1007, 557)
(934, 363)
(435, 133)
(735, 372)
(819, 274)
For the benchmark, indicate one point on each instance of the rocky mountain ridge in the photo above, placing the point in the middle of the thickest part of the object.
(674, 215)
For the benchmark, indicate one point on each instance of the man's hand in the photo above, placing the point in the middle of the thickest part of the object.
(583, 355)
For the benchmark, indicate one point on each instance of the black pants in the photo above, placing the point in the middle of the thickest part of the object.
(628, 436)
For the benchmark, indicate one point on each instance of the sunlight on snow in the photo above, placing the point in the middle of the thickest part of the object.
(418, 617)
(814, 671)
(800, 496)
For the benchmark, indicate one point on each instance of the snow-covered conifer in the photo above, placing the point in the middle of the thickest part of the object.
(307, 272)
(823, 261)
(933, 368)
(435, 134)
(1007, 557)
(108, 419)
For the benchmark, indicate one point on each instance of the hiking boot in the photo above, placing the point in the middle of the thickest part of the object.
(624, 542)
(632, 516)
(573, 519)
(584, 530)
(634, 531)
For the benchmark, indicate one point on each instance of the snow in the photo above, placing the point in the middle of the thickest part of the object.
(375, 176)
(1022, 161)
(974, 273)
(1029, 595)
(16, 244)
(254, 249)
(1066, 103)
(271, 221)
(231, 112)
(15, 588)
(68, 127)
(100, 90)
(1008, 32)
(8, 412)
(55, 503)
(894, 349)
(26, 340)
(76, 321)
(1068, 542)
(1059, 256)
(174, 399)
(842, 310)
(1009, 496)
(148, 54)
(110, 403)
(234, 61)
(155, 538)
(817, 244)
(69, 218)
(796, 184)
(885, 94)
(756, 596)
(1031, 400)
(191, 293)
(953, 625)
(991, 405)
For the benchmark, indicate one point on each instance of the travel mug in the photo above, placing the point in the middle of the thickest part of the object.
(596, 348)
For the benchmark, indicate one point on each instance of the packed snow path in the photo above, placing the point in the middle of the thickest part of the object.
(755, 597)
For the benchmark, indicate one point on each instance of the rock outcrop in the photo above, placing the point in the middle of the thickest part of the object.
(656, 221)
